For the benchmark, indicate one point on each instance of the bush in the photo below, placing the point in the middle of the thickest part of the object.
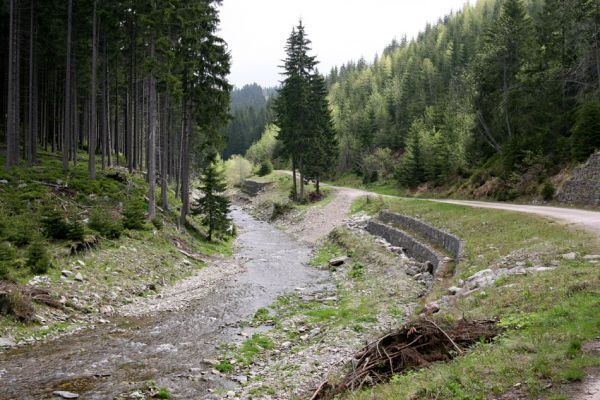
(105, 224)
(134, 215)
(585, 134)
(158, 223)
(548, 191)
(20, 231)
(56, 226)
(7, 258)
(266, 167)
(38, 259)
(280, 209)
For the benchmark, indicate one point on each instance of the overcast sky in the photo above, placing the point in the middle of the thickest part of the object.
(341, 30)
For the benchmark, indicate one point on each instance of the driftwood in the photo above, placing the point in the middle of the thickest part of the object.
(416, 345)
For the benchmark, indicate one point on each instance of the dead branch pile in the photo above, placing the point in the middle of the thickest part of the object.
(416, 345)
(16, 300)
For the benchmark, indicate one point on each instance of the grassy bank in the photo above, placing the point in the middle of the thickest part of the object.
(548, 315)
(88, 242)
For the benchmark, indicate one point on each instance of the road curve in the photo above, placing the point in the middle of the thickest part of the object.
(586, 219)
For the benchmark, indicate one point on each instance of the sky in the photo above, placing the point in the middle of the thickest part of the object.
(340, 30)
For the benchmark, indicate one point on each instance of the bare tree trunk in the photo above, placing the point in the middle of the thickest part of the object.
(505, 94)
(30, 137)
(294, 178)
(93, 110)
(185, 163)
(130, 101)
(66, 145)
(151, 157)
(164, 145)
(12, 131)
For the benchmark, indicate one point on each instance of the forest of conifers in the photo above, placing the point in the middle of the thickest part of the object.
(141, 84)
(505, 86)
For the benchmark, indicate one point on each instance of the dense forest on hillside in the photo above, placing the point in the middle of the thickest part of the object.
(136, 84)
(509, 85)
(250, 113)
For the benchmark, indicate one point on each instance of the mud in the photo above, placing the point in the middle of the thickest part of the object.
(166, 346)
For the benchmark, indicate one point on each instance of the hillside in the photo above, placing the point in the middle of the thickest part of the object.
(73, 250)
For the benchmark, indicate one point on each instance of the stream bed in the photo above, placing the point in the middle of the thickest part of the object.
(119, 357)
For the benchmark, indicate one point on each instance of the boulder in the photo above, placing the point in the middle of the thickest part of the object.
(336, 262)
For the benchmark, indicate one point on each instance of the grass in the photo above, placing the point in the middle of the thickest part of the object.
(547, 315)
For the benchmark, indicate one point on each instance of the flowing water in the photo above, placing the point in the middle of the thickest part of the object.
(118, 357)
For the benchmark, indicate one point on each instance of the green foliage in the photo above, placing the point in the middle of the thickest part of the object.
(548, 191)
(280, 209)
(134, 215)
(158, 222)
(237, 169)
(56, 226)
(38, 259)
(213, 206)
(585, 135)
(105, 223)
(8, 255)
(20, 230)
(266, 148)
(163, 393)
(266, 167)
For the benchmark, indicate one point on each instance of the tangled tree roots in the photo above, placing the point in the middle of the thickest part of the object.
(416, 345)
(16, 300)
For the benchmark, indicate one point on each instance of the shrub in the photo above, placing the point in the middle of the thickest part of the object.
(548, 191)
(279, 209)
(266, 167)
(585, 135)
(134, 215)
(56, 226)
(158, 223)
(38, 259)
(7, 258)
(105, 224)
(20, 231)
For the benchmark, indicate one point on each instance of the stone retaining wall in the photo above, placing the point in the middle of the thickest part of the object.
(414, 249)
(584, 186)
(253, 187)
(438, 237)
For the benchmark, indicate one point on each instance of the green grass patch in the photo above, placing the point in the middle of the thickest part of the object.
(548, 315)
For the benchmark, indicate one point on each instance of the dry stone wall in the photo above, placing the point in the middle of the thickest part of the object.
(584, 186)
(414, 249)
(438, 237)
(253, 187)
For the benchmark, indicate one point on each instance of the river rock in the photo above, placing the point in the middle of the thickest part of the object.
(66, 273)
(336, 262)
(5, 342)
(454, 290)
(242, 379)
(65, 395)
(592, 257)
(79, 277)
(570, 256)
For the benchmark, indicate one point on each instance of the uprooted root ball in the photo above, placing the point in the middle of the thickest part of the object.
(416, 345)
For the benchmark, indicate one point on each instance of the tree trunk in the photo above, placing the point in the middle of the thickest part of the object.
(185, 163)
(164, 146)
(12, 131)
(294, 178)
(152, 135)
(130, 102)
(93, 110)
(66, 145)
(30, 137)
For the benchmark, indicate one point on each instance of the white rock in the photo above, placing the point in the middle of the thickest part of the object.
(570, 256)
(4, 342)
(592, 257)
(65, 395)
(66, 273)
(80, 262)
(79, 277)
(3, 181)
(454, 290)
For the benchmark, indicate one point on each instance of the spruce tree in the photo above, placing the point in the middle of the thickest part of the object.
(213, 206)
